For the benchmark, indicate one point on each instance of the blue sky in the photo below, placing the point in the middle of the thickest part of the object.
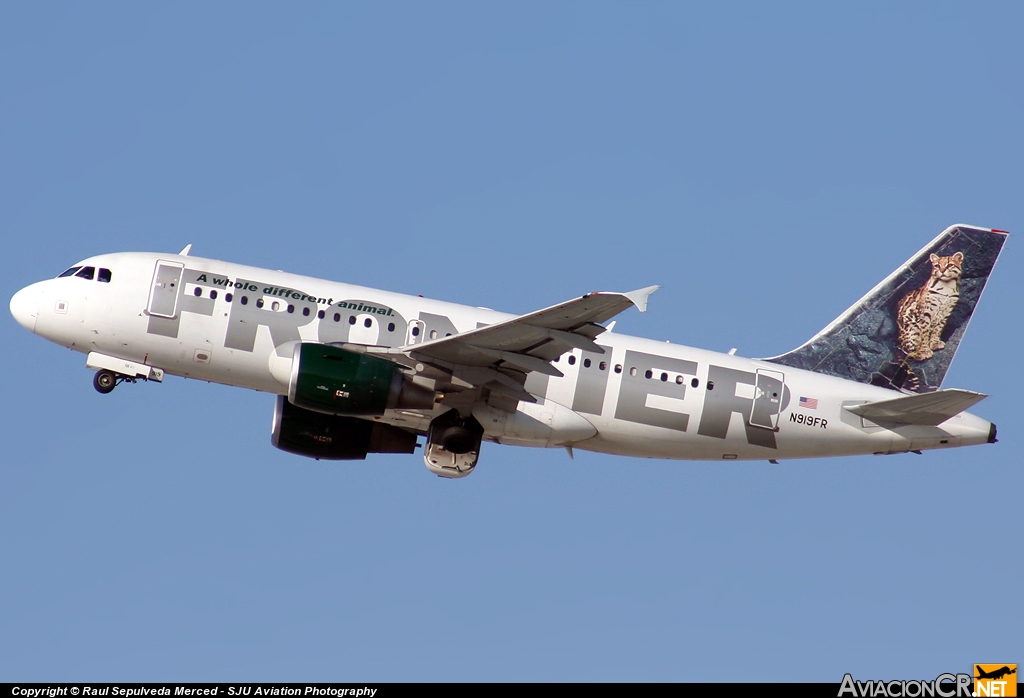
(766, 164)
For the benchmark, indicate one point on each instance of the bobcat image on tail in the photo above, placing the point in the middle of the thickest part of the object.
(923, 312)
(904, 332)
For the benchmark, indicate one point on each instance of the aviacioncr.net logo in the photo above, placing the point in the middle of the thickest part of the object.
(943, 686)
(995, 680)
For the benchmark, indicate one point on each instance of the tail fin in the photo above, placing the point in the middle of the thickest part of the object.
(904, 332)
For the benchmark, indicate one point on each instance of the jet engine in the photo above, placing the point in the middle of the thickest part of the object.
(341, 382)
(330, 437)
(453, 445)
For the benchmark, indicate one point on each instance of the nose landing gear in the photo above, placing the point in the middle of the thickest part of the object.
(111, 370)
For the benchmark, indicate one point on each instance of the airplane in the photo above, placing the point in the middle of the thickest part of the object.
(995, 674)
(358, 370)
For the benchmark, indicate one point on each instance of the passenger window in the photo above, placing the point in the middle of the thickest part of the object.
(104, 276)
(711, 385)
(391, 327)
(213, 294)
(648, 373)
(198, 292)
(320, 314)
(618, 368)
(69, 272)
(415, 331)
(351, 319)
(291, 308)
(632, 371)
(664, 378)
(259, 302)
(86, 273)
(603, 365)
(572, 360)
(695, 382)
(679, 380)
(433, 334)
(586, 363)
(245, 300)
(367, 322)
(228, 297)
(275, 306)
(337, 317)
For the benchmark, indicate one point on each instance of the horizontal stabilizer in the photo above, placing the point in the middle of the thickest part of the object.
(929, 409)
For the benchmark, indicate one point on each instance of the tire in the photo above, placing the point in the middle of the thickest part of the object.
(104, 381)
(457, 440)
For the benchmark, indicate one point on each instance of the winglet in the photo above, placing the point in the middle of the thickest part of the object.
(639, 297)
(184, 252)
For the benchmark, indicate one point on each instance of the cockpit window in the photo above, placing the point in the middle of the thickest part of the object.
(104, 276)
(86, 273)
(69, 272)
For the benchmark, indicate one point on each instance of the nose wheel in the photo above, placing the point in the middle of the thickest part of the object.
(104, 381)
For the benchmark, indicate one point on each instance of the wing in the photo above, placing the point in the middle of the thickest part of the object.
(499, 356)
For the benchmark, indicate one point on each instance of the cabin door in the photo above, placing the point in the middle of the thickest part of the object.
(163, 296)
(767, 399)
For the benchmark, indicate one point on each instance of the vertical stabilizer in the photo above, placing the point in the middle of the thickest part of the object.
(904, 332)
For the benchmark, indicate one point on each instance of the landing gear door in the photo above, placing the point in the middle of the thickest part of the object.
(163, 296)
(767, 399)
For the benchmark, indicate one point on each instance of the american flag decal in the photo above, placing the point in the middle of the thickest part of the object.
(809, 403)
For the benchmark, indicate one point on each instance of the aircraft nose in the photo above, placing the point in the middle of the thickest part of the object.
(25, 306)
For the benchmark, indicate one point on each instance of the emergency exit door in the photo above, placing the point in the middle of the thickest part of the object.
(416, 330)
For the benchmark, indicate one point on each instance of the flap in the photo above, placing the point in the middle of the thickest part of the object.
(929, 409)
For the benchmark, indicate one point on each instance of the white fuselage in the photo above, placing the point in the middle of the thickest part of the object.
(640, 398)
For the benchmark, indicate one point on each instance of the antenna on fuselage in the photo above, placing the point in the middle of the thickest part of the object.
(186, 250)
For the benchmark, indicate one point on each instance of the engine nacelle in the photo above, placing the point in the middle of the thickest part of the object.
(337, 381)
(329, 437)
(453, 445)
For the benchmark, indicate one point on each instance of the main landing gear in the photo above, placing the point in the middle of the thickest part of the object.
(453, 445)
(104, 381)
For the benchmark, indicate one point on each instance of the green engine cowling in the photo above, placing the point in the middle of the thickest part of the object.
(329, 437)
(337, 381)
